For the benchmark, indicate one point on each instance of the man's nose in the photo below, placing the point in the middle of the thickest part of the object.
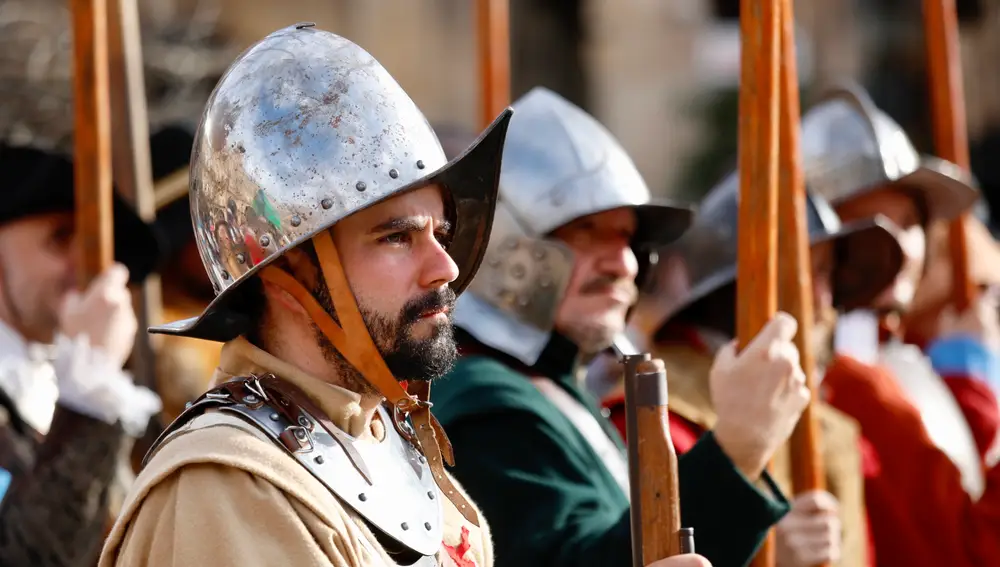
(619, 260)
(439, 267)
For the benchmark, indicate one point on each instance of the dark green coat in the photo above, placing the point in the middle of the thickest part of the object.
(548, 498)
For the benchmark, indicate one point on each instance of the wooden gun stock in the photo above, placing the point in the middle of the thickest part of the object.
(652, 460)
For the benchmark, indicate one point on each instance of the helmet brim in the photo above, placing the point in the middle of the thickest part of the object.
(868, 259)
(472, 180)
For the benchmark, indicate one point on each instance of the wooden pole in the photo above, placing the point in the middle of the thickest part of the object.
(757, 254)
(92, 137)
(493, 24)
(132, 163)
(951, 139)
(796, 287)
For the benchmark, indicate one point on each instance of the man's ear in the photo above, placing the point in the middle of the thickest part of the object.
(297, 263)
(282, 298)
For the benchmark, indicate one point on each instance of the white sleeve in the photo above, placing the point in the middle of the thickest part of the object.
(91, 384)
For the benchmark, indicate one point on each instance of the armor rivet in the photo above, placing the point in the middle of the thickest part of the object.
(326, 203)
(251, 399)
(274, 416)
(300, 434)
(430, 495)
(523, 302)
(296, 220)
(362, 497)
(265, 241)
(546, 282)
(422, 459)
(518, 271)
(188, 405)
(494, 263)
(225, 275)
(319, 459)
(539, 254)
(427, 526)
(606, 412)
(361, 186)
(304, 422)
(241, 258)
(420, 164)
(393, 173)
(405, 526)
(512, 244)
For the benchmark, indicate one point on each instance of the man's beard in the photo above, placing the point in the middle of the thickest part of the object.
(406, 357)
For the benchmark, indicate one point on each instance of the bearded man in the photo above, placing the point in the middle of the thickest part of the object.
(338, 236)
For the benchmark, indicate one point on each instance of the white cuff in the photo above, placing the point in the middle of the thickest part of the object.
(91, 384)
(857, 335)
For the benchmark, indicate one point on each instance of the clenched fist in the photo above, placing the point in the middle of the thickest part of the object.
(810, 534)
(758, 395)
(103, 312)
(689, 560)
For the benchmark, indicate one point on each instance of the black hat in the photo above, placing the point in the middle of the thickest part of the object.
(37, 181)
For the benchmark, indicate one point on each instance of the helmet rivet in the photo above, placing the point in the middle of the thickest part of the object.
(326, 203)
(241, 258)
(225, 275)
(517, 271)
(361, 186)
(393, 173)
(296, 220)
(420, 164)
(265, 241)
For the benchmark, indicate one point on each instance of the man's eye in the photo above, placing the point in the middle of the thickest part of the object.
(395, 238)
(444, 239)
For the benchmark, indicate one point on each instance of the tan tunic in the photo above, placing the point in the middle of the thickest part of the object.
(218, 492)
(687, 375)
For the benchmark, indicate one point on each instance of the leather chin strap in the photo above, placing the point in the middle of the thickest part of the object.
(354, 342)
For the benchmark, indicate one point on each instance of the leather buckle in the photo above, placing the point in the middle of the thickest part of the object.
(402, 409)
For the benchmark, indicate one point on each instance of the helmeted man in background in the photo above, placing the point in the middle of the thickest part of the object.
(338, 236)
(67, 408)
(932, 491)
(574, 228)
(687, 313)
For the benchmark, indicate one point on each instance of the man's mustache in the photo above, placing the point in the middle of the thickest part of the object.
(428, 303)
(601, 284)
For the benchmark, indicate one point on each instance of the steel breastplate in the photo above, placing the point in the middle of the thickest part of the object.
(389, 484)
(942, 417)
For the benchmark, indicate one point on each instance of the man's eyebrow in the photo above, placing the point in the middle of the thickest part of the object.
(408, 224)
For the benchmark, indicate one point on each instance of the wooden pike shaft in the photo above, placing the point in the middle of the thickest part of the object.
(92, 137)
(951, 140)
(493, 23)
(757, 254)
(796, 289)
(131, 159)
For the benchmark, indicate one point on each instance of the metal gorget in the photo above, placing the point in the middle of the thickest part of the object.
(389, 484)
